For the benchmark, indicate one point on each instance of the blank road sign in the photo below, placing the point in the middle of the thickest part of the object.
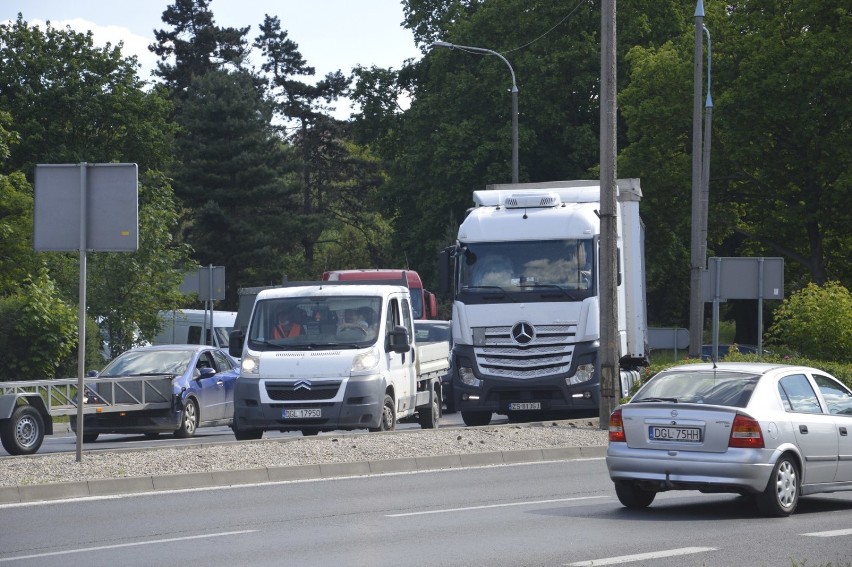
(741, 278)
(112, 207)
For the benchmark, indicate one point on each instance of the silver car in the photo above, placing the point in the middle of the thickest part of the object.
(773, 432)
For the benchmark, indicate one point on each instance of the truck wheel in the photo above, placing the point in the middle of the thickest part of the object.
(447, 393)
(388, 422)
(474, 418)
(428, 417)
(189, 422)
(90, 437)
(23, 432)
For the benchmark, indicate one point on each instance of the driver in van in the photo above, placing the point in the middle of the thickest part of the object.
(286, 325)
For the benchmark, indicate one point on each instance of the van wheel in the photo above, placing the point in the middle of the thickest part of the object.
(23, 432)
(428, 417)
(189, 422)
(474, 418)
(388, 421)
(246, 434)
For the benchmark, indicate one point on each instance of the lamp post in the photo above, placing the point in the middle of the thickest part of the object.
(514, 96)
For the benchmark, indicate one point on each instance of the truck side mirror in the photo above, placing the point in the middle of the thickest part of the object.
(444, 272)
(398, 340)
(235, 343)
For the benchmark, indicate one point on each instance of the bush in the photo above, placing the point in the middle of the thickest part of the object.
(815, 322)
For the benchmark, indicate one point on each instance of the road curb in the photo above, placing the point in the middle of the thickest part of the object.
(135, 485)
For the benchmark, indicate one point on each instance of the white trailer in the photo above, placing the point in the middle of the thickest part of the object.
(525, 286)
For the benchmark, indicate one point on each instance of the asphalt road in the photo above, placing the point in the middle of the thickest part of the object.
(549, 514)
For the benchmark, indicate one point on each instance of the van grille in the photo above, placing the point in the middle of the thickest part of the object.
(296, 391)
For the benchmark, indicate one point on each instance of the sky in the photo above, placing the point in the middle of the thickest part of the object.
(332, 34)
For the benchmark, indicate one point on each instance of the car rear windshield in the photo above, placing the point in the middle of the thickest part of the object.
(717, 388)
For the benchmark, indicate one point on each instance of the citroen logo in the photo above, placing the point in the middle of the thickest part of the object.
(302, 384)
(523, 333)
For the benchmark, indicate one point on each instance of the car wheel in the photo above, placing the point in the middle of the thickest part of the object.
(246, 434)
(388, 421)
(23, 432)
(428, 418)
(475, 418)
(189, 422)
(632, 496)
(781, 495)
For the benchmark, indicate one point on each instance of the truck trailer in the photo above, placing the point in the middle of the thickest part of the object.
(525, 316)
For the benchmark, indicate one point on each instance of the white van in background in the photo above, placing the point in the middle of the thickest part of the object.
(187, 326)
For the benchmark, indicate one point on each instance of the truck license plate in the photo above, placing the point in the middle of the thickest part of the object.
(684, 434)
(521, 406)
(302, 413)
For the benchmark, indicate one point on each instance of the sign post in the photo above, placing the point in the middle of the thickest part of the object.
(106, 195)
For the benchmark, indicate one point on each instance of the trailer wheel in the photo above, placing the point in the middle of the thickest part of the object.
(428, 417)
(475, 418)
(388, 421)
(23, 432)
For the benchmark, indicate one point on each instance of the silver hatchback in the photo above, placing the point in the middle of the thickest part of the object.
(769, 431)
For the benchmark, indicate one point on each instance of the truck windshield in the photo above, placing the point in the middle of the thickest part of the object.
(315, 323)
(544, 270)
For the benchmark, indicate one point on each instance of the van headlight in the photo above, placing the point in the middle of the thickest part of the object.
(250, 364)
(366, 360)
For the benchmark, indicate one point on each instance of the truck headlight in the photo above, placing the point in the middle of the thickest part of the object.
(466, 376)
(366, 360)
(584, 373)
(250, 364)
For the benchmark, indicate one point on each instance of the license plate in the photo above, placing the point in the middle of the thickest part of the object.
(302, 413)
(521, 406)
(682, 434)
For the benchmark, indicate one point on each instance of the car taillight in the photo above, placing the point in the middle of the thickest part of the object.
(745, 433)
(616, 427)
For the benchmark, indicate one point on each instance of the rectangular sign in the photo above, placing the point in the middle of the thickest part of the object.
(112, 207)
(743, 278)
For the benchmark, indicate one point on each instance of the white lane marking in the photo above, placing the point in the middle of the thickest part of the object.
(445, 510)
(120, 545)
(832, 533)
(642, 556)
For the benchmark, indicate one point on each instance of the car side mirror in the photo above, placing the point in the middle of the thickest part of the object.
(206, 372)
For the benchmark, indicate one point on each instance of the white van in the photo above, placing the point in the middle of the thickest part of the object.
(187, 326)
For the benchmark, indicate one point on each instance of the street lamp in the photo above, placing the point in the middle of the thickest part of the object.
(514, 96)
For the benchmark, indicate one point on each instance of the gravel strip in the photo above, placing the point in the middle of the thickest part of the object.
(343, 448)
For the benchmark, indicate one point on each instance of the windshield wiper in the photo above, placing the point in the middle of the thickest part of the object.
(674, 400)
(496, 292)
(562, 291)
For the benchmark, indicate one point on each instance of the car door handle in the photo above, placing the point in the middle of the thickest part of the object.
(803, 429)
(843, 431)
(220, 382)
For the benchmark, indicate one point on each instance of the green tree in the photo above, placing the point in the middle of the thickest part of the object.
(816, 322)
(37, 330)
(317, 136)
(71, 102)
(195, 45)
(240, 206)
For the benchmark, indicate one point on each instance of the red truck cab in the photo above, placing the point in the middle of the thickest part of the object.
(424, 303)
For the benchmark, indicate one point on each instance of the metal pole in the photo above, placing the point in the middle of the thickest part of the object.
(81, 315)
(696, 304)
(608, 353)
(705, 160)
(514, 92)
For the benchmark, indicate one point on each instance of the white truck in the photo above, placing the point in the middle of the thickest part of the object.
(193, 327)
(322, 356)
(526, 324)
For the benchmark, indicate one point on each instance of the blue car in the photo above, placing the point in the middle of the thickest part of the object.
(203, 386)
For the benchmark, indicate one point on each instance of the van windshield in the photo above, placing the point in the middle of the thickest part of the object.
(317, 323)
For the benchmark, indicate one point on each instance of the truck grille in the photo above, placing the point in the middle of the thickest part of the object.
(547, 354)
(297, 391)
